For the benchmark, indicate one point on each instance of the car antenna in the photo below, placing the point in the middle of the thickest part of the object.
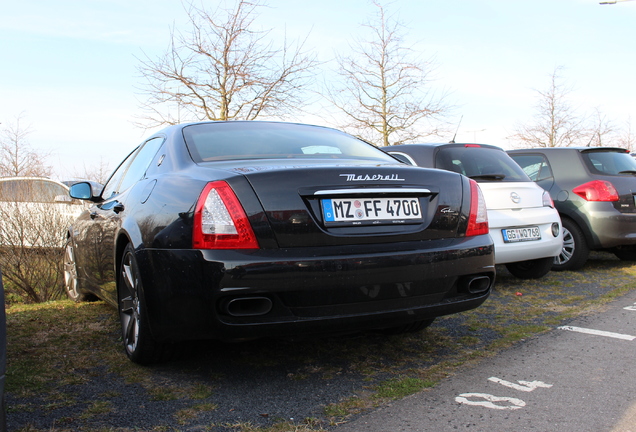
(457, 130)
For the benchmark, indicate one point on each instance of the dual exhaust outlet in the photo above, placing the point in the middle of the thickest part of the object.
(260, 305)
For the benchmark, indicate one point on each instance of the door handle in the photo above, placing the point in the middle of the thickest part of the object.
(118, 208)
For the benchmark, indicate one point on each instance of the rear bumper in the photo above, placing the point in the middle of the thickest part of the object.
(193, 294)
(604, 226)
(542, 217)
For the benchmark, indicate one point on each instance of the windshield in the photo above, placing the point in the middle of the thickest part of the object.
(262, 140)
(480, 163)
(609, 162)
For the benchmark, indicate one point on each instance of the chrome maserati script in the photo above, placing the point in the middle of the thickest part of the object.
(374, 177)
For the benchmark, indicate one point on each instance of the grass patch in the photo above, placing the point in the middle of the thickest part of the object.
(97, 408)
(53, 340)
(397, 388)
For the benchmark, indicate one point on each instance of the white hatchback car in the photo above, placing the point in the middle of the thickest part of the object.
(524, 225)
(35, 212)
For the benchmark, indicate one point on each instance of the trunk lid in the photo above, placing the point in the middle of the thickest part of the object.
(321, 204)
(511, 195)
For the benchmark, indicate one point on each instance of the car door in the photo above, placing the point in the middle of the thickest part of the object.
(99, 226)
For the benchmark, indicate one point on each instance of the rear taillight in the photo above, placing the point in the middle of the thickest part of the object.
(220, 221)
(478, 218)
(547, 200)
(597, 190)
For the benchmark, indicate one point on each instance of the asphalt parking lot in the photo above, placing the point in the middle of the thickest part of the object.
(574, 378)
(335, 383)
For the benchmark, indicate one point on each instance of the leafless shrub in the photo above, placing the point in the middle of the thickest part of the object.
(32, 236)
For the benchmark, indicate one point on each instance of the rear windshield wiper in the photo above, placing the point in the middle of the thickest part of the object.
(488, 177)
(632, 172)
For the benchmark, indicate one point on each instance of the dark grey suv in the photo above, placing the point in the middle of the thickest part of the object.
(594, 190)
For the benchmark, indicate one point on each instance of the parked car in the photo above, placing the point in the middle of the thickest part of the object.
(593, 189)
(233, 230)
(29, 203)
(524, 225)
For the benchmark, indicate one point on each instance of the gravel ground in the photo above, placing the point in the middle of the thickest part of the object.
(268, 381)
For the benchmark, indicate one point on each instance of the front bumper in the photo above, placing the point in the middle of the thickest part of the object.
(190, 293)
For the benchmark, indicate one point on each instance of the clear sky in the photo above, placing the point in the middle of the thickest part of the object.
(70, 66)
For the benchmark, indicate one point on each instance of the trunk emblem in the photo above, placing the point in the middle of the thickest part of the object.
(514, 196)
(374, 177)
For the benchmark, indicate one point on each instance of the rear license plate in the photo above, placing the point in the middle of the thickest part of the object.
(512, 235)
(370, 211)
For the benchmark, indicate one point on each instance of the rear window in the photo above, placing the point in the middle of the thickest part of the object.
(31, 191)
(261, 140)
(481, 163)
(609, 162)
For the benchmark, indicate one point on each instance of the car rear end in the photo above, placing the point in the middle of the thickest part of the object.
(291, 246)
(595, 187)
(605, 197)
(524, 224)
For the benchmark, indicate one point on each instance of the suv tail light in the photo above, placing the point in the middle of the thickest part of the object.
(220, 221)
(478, 218)
(597, 190)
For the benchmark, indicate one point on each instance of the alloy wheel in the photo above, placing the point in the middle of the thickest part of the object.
(567, 251)
(129, 305)
(70, 272)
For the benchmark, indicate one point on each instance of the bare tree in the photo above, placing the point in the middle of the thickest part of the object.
(626, 137)
(603, 131)
(99, 172)
(223, 68)
(556, 123)
(385, 90)
(17, 158)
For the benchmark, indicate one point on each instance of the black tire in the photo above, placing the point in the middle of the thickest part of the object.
(531, 269)
(408, 328)
(72, 283)
(575, 250)
(138, 342)
(625, 254)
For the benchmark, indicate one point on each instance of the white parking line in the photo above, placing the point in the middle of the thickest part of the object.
(598, 332)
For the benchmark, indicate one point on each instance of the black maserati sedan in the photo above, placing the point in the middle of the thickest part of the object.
(244, 229)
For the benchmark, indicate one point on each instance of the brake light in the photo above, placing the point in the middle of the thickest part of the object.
(472, 145)
(597, 190)
(478, 218)
(220, 221)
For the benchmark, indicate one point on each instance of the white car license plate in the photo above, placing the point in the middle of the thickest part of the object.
(511, 235)
(364, 211)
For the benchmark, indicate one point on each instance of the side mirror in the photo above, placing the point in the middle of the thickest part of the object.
(82, 191)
